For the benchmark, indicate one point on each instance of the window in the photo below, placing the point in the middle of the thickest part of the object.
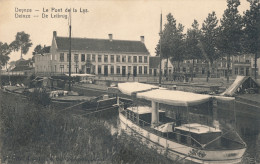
(99, 58)
(118, 69)
(62, 57)
(203, 71)
(140, 69)
(117, 58)
(93, 57)
(247, 61)
(123, 58)
(150, 71)
(241, 71)
(145, 59)
(88, 57)
(112, 59)
(61, 68)
(68, 57)
(145, 69)
(135, 59)
(112, 70)
(129, 59)
(83, 57)
(236, 71)
(140, 59)
(129, 69)
(183, 69)
(99, 69)
(105, 58)
(76, 57)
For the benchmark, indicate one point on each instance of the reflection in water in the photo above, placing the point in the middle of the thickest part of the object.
(244, 118)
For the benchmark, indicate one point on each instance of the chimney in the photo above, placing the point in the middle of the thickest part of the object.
(110, 36)
(54, 34)
(142, 39)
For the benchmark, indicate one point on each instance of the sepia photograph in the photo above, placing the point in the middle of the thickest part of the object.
(130, 82)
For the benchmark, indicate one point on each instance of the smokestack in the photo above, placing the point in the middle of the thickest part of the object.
(142, 39)
(110, 36)
(54, 34)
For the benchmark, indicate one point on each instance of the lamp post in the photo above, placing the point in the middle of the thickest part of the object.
(160, 67)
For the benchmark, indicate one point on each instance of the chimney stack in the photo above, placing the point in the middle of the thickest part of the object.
(110, 36)
(142, 39)
(54, 34)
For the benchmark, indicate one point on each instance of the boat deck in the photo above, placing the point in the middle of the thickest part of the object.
(225, 142)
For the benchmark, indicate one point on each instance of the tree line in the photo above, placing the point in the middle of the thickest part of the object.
(22, 43)
(233, 34)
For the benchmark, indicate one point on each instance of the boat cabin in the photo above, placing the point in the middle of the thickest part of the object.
(201, 133)
(142, 115)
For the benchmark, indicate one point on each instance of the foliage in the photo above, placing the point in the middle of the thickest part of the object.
(172, 42)
(230, 32)
(46, 135)
(40, 96)
(231, 29)
(22, 42)
(251, 31)
(37, 49)
(209, 36)
(5, 50)
(192, 40)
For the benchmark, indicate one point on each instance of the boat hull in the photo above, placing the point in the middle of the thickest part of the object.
(179, 152)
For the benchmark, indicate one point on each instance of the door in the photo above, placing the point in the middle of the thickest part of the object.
(88, 70)
(247, 71)
(105, 70)
(123, 70)
(135, 70)
(154, 72)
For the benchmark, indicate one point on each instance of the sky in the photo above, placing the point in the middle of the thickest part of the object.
(126, 20)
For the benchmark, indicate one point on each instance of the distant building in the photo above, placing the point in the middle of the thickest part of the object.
(239, 65)
(97, 56)
(22, 67)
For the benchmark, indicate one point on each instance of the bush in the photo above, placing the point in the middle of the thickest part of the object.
(40, 96)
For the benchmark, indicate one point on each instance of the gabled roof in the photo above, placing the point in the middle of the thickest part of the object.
(22, 62)
(154, 61)
(22, 68)
(101, 45)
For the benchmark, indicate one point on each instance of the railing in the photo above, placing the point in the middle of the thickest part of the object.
(143, 124)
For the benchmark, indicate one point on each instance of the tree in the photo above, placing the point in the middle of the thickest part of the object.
(37, 49)
(251, 31)
(209, 33)
(172, 42)
(5, 50)
(230, 32)
(192, 49)
(22, 42)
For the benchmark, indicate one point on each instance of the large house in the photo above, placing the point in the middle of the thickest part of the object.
(97, 56)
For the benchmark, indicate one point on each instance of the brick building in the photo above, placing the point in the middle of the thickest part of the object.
(106, 57)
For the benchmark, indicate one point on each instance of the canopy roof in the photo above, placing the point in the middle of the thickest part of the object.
(172, 97)
(134, 87)
(81, 75)
(162, 95)
(237, 84)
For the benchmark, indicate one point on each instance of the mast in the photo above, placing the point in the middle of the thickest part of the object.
(70, 52)
(160, 68)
